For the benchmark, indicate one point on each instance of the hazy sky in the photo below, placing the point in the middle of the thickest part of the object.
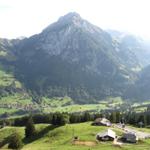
(27, 17)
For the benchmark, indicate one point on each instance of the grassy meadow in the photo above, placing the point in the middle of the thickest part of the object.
(60, 138)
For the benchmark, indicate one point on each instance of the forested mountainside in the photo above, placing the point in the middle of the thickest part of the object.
(74, 58)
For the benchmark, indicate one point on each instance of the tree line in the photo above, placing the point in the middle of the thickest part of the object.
(132, 118)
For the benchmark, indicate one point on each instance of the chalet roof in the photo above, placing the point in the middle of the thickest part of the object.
(109, 133)
(130, 136)
(102, 120)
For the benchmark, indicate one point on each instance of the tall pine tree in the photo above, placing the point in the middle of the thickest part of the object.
(30, 128)
(15, 141)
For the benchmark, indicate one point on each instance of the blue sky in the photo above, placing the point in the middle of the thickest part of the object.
(28, 17)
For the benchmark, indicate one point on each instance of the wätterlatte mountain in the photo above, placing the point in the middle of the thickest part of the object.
(74, 58)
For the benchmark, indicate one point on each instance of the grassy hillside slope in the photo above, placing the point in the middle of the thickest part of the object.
(60, 138)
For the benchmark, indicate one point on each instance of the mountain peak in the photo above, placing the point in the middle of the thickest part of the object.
(75, 20)
(70, 16)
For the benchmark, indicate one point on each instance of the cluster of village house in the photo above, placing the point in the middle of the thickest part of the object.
(19, 106)
(110, 135)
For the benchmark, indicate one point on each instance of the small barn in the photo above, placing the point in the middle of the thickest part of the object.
(109, 135)
(130, 137)
(102, 122)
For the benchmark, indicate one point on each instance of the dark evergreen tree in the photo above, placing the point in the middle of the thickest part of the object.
(86, 117)
(142, 120)
(60, 119)
(145, 119)
(118, 117)
(148, 118)
(113, 117)
(54, 119)
(15, 141)
(75, 118)
(30, 128)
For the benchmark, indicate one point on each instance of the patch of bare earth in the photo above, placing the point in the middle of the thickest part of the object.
(86, 143)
